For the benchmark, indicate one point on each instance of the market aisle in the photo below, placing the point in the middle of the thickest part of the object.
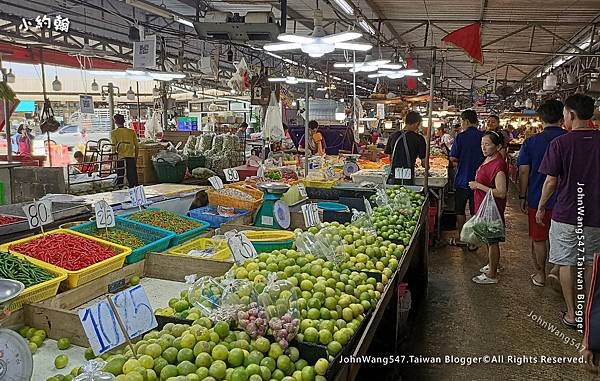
(464, 319)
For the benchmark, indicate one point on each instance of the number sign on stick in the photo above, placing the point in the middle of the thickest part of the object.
(105, 215)
(138, 196)
(101, 322)
(240, 246)
(311, 215)
(302, 191)
(231, 175)
(39, 213)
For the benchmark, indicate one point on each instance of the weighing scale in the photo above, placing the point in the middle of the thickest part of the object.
(350, 165)
(16, 361)
(273, 212)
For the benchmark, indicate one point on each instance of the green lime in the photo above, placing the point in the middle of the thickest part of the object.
(134, 280)
(63, 343)
(33, 347)
(61, 361)
(89, 354)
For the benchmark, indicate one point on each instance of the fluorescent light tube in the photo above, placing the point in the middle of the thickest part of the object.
(344, 6)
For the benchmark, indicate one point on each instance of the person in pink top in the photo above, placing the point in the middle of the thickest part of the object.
(491, 174)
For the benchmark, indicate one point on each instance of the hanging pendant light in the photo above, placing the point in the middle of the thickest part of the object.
(155, 91)
(56, 84)
(10, 77)
(95, 85)
(130, 94)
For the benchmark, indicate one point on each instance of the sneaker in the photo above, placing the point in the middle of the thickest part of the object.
(485, 269)
(483, 279)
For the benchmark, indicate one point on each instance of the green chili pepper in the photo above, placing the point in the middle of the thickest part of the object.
(165, 220)
(15, 268)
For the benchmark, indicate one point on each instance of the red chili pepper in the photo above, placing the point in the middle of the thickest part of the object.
(68, 251)
(5, 220)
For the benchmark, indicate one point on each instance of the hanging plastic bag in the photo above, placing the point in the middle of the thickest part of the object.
(93, 371)
(363, 221)
(486, 226)
(324, 244)
(281, 302)
(272, 126)
(221, 298)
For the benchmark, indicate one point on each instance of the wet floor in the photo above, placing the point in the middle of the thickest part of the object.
(512, 318)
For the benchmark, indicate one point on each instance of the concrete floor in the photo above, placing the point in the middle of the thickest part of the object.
(462, 318)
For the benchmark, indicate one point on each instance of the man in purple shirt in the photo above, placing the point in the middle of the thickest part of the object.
(571, 169)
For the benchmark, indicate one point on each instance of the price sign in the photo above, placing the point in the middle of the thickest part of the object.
(240, 246)
(38, 213)
(134, 310)
(105, 215)
(302, 191)
(330, 172)
(138, 196)
(216, 182)
(310, 212)
(101, 327)
(368, 208)
(402, 173)
(231, 175)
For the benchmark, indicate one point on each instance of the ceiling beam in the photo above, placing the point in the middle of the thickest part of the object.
(569, 43)
(471, 21)
(496, 40)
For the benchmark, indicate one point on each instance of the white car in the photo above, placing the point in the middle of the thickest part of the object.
(70, 136)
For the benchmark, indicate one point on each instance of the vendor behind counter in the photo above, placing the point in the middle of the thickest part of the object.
(404, 147)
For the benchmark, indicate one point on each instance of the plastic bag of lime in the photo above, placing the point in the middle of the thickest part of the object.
(93, 371)
(280, 300)
(325, 243)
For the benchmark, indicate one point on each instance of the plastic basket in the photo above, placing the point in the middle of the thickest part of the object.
(155, 239)
(215, 198)
(88, 274)
(209, 214)
(326, 184)
(41, 291)
(265, 241)
(196, 162)
(178, 239)
(266, 247)
(168, 173)
(222, 254)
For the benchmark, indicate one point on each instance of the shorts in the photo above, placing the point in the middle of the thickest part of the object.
(461, 197)
(565, 246)
(537, 232)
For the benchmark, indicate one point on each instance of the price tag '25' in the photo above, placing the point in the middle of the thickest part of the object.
(105, 215)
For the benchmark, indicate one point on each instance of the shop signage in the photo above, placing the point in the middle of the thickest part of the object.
(105, 215)
(144, 53)
(86, 104)
(45, 22)
(38, 213)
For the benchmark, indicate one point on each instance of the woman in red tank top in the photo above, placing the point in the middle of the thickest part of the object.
(491, 174)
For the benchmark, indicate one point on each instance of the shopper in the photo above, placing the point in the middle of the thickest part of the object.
(443, 139)
(126, 145)
(24, 140)
(466, 157)
(530, 186)
(571, 168)
(492, 174)
(404, 147)
(493, 124)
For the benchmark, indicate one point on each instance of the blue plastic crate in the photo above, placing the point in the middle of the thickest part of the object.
(156, 239)
(177, 239)
(209, 214)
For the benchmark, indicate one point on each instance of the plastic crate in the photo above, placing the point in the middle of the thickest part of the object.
(178, 239)
(209, 214)
(168, 173)
(155, 239)
(222, 254)
(265, 241)
(88, 274)
(41, 291)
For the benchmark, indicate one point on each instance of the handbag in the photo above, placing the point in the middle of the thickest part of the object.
(48, 123)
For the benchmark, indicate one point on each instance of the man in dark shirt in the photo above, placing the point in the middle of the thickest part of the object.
(466, 156)
(571, 168)
(397, 146)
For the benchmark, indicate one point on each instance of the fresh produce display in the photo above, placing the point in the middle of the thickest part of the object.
(396, 218)
(35, 337)
(165, 220)
(67, 251)
(15, 268)
(254, 320)
(235, 193)
(5, 220)
(120, 237)
(281, 302)
(210, 352)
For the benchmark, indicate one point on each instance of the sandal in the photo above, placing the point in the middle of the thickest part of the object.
(567, 323)
(535, 282)
(456, 242)
(484, 279)
(485, 269)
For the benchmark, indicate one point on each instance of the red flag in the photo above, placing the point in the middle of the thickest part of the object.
(411, 82)
(467, 38)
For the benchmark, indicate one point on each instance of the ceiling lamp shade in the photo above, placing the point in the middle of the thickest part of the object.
(318, 43)
(292, 80)
(56, 84)
(130, 94)
(10, 77)
(95, 86)
(396, 74)
(368, 65)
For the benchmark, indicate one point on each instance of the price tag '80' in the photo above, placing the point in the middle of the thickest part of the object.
(38, 213)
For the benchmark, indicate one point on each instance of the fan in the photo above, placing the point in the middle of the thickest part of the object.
(318, 43)
(368, 65)
(292, 80)
(85, 51)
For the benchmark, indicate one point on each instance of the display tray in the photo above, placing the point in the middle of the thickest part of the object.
(435, 182)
